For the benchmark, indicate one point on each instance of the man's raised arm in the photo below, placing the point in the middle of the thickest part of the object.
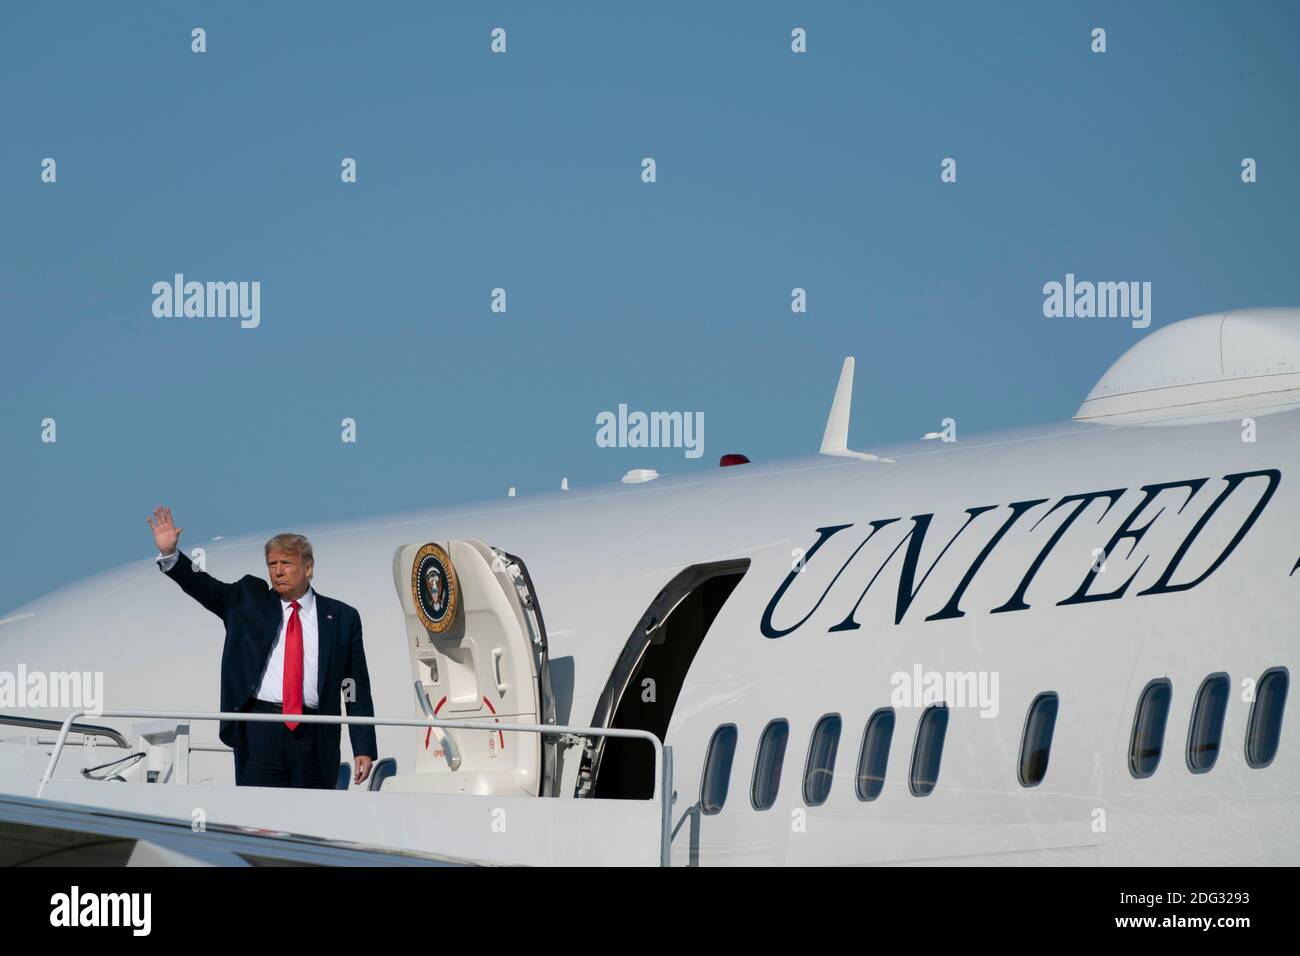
(214, 595)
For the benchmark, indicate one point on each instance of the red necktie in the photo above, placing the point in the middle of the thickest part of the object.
(293, 667)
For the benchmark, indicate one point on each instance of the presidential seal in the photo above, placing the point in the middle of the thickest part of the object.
(434, 588)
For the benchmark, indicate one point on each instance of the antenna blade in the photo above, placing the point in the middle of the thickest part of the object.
(835, 440)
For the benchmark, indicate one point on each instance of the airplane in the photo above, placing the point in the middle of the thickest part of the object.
(1060, 645)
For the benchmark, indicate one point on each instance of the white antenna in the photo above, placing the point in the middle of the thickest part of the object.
(835, 440)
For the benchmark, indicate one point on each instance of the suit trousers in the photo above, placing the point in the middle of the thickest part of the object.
(272, 755)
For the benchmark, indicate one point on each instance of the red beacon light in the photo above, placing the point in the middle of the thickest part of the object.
(732, 459)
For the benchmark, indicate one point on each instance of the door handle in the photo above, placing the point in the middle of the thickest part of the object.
(496, 671)
(449, 747)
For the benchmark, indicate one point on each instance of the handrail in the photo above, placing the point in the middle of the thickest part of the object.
(43, 723)
(663, 755)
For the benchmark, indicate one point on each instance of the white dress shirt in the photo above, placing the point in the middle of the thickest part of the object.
(272, 687)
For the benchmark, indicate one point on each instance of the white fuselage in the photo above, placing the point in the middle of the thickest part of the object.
(599, 557)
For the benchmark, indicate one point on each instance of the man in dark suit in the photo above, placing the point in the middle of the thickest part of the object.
(288, 651)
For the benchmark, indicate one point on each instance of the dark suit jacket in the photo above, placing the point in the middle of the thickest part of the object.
(252, 612)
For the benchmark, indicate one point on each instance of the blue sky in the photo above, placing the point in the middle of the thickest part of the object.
(522, 171)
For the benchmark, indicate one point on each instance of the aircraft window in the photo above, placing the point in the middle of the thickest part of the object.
(1265, 728)
(1149, 728)
(767, 764)
(1036, 743)
(1206, 731)
(875, 753)
(820, 771)
(928, 750)
(717, 769)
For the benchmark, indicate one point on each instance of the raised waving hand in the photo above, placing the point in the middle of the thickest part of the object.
(165, 532)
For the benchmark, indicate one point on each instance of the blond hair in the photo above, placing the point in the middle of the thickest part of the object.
(294, 544)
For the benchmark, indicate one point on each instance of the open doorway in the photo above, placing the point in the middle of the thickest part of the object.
(643, 688)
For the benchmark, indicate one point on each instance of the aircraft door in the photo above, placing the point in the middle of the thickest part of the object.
(657, 655)
(478, 653)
